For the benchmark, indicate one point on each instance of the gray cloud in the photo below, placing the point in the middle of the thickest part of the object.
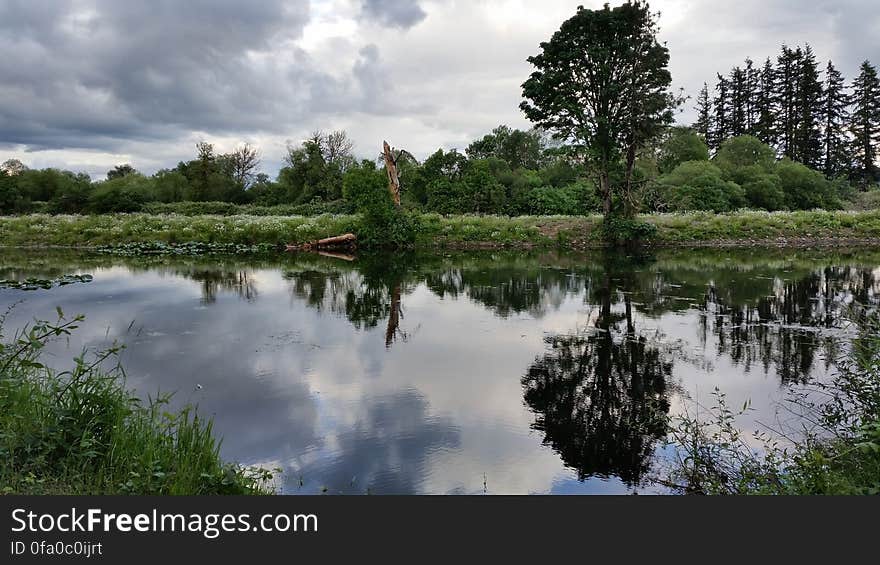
(145, 78)
(152, 70)
(402, 14)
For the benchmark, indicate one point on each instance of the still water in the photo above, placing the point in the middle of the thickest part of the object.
(496, 372)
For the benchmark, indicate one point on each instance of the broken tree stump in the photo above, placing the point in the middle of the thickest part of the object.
(393, 175)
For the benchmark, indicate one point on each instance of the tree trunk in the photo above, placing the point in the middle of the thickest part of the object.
(394, 317)
(628, 203)
(393, 177)
(605, 192)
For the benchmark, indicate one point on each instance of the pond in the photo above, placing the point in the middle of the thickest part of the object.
(493, 371)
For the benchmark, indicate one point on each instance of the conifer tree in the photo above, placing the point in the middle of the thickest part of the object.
(703, 125)
(721, 130)
(807, 135)
(765, 109)
(835, 110)
(865, 125)
(786, 97)
(738, 102)
(751, 95)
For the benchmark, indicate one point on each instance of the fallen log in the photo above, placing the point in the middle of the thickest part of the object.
(347, 240)
(335, 255)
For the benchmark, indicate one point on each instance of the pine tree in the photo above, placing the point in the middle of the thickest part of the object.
(738, 102)
(865, 124)
(721, 131)
(751, 95)
(807, 135)
(786, 96)
(703, 125)
(765, 109)
(835, 108)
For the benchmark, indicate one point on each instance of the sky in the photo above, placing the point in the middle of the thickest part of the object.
(89, 84)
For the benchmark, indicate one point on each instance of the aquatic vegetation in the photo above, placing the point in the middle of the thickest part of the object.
(189, 248)
(34, 283)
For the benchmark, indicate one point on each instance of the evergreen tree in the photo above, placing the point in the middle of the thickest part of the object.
(751, 95)
(835, 107)
(703, 125)
(786, 97)
(721, 131)
(865, 125)
(765, 109)
(808, 137)
(738, 102)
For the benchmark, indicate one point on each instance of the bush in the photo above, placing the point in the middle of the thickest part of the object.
(804, 188)
(619, 230)
(868, 200)
(682, 145)
(698, 185)
(549, 201)
(382, 223)
(121, 194)
(744, 151)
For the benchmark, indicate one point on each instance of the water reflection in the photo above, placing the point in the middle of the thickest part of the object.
(403, 373)
(601, 395)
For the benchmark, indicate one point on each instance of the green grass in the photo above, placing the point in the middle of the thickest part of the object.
(80, 431)
(743, 227)
(834, 450)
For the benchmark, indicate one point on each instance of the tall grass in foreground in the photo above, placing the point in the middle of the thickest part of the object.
(79, 431)
(836, 451)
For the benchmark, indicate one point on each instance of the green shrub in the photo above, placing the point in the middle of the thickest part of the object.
(804, 188)
(682, 145)
(744, 151)
(122, 194)
(382, 223)
(698, 185)
(619, 230)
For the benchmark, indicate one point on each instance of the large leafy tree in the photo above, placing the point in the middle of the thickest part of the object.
(601, 82)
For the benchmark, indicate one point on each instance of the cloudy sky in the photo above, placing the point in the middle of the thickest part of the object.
(88, 84)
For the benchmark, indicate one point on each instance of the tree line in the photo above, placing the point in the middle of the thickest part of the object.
(806, 114)
(604, 140)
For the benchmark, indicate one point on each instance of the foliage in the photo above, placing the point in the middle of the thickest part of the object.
(601, 82)
(805, 188)
(618, 230)
(122, 193)
(744, 151)
(699, 185)
(681, 144)
(81, 432)
(382, 223)
(839, 454)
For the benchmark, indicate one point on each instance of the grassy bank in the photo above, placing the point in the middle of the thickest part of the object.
(833, 450)
(81, 432)
(702, 228)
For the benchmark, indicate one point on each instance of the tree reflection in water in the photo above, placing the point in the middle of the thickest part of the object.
(600, 396)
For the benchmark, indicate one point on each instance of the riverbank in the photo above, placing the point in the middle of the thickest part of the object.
(82, 432)
(740, 229)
